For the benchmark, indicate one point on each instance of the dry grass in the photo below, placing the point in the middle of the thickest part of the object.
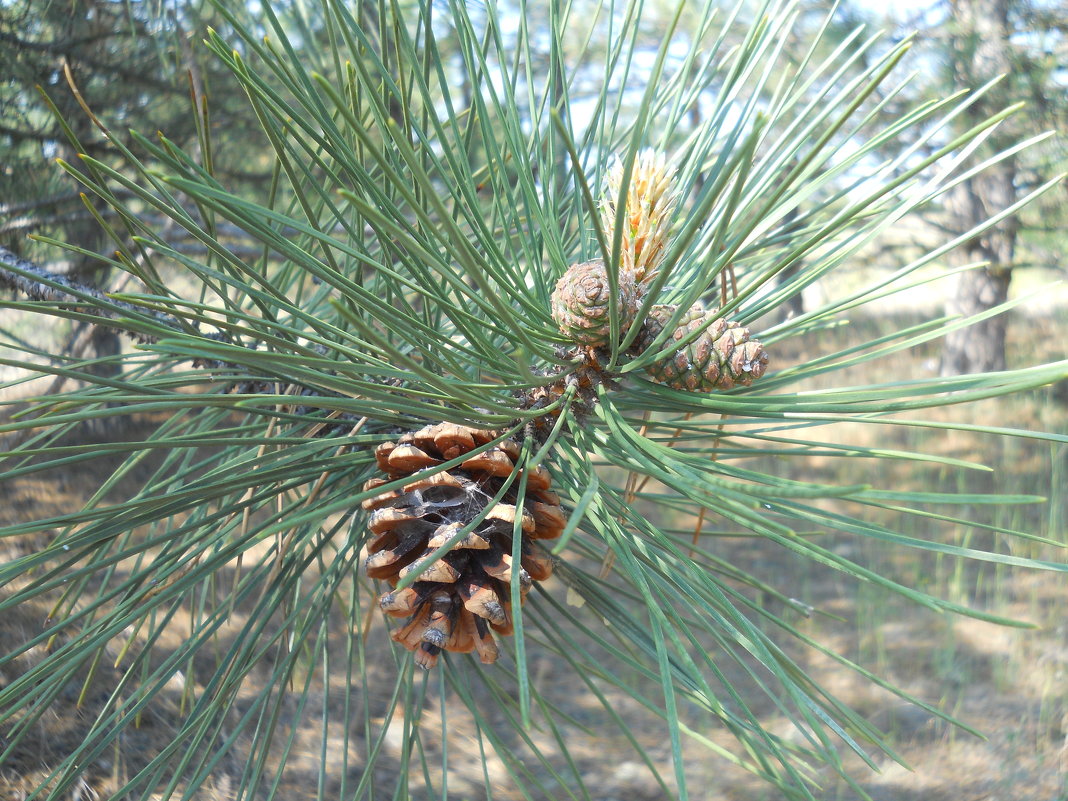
(1011, 684)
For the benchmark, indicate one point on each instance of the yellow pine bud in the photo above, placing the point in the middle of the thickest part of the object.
(650, 200)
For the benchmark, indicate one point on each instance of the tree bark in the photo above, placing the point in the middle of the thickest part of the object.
(981, 346)
(982, 51)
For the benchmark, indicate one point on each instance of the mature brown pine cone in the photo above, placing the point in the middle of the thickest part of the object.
(465, 595)
(581, 302)
(721, 357)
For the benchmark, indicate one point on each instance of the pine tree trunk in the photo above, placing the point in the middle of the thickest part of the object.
(794, 305)
(979, 347)
(982, 51)
(96, 342)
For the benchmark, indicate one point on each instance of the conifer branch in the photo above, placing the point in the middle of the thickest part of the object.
(39, 283)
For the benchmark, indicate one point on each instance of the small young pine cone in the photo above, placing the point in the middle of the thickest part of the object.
(721, 357)
(581, 302)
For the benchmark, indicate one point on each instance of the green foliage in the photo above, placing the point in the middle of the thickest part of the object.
(429, 188)
(135, 62)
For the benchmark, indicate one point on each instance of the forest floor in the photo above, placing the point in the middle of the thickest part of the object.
(1011, 684)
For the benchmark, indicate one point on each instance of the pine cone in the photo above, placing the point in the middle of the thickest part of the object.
(465, 595)
(581, 300)
(721, 357)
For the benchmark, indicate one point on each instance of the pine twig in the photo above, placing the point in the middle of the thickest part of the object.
(39, 283)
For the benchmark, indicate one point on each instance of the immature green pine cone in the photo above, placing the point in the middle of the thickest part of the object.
(721, 357)
(580, 303)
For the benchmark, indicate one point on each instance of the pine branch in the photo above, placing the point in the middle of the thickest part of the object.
(22, 224)
(7, 209)
(39, 283)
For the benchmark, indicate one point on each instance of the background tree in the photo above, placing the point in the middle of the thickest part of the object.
(1003, 52)
(141, 65)
(988, 41)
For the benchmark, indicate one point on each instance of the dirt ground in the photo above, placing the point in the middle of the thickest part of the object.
(1010, 684)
